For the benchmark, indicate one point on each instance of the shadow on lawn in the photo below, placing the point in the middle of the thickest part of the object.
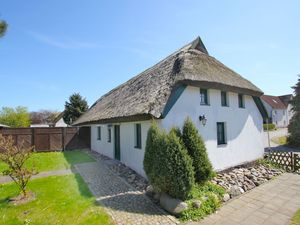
(76, 157)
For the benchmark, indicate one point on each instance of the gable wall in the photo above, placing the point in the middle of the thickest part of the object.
(244, 129)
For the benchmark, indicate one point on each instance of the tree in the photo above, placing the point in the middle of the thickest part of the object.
(294, 126)
(74, 108)
(167, 164)
(3, 27)
(197, 151)
(43, 117)
(18, 117)
(15, 157)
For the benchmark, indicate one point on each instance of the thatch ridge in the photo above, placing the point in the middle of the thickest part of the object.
(146, 94)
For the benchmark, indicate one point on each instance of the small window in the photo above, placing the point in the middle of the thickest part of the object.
(109, 134)
(224, 100)
(241, 101)
(138, 135)
(221, 137)
(98, 133)
(203, 96)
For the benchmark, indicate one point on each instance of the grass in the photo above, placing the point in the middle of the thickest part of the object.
(209, 194)
(296, 218)
(46, 161)
(280, 140)
(59, 200)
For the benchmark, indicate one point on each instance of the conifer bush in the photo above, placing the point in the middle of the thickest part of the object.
(167, 163)
(197, 151)
(294, 126)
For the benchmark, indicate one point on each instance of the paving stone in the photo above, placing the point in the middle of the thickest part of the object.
(272, 203)
(124, 203)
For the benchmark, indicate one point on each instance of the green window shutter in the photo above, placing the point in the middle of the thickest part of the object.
(203, 97)
(138, 136)
(99, 133)
(221, 138)
(241, 101)
(224, 98)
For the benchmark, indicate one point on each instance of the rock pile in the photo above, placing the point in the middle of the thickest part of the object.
(239, 180)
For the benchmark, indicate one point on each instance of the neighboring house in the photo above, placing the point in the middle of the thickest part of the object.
(278, 108)
(59, 121)
(224, 106)
(2, 125)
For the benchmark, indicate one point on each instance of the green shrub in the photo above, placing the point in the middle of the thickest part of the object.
(294, 126)
(152, 150)
(269, 126)
(180, 173)
(209, 194)
(167, 164)
(197, 151)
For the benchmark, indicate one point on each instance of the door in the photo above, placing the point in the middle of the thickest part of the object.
(117, 142)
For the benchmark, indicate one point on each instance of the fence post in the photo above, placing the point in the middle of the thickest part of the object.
(292, 162)
(32, 138)
(63, 138)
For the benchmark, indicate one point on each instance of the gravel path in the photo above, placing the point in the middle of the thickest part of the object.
(6, 179)
(124, 203)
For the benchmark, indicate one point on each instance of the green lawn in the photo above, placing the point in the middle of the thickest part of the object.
(280, 140)
(46, 161)
(296, 218)
(59, 200)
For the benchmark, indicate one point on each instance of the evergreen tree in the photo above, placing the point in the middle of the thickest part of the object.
(197, 151)
(3, 27)
(74, 108)
(294, 126)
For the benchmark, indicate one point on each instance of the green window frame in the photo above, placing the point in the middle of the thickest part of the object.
(138, 135)
(221, 136)
(109, 134)
(241, 101)
(224, 98)
(99, 133)
(203, 96)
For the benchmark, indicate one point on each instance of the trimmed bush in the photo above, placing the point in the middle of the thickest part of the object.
(167, 163)
(197, 151)
(270, 125)
(180, 172)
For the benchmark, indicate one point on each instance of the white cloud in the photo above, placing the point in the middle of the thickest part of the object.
(65, 43)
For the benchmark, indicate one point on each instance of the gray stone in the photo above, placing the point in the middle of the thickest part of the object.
(234, 191)
(226, 197)
(197, 204)
(172, 205)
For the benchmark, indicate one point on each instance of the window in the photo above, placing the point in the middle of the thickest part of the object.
(109, 134)
(241, 101)
(98, 133)
(284, 112)
(203, 97)
(221, 137)
(138, 135)
(224, 100)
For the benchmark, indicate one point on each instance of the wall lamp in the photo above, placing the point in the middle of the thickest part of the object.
(203, 120)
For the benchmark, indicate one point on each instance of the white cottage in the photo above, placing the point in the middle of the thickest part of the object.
(279, 109)
(224, 106)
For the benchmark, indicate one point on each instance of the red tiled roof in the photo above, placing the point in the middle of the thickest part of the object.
(274, 101)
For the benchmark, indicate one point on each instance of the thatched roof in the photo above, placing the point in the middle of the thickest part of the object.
(146, 95)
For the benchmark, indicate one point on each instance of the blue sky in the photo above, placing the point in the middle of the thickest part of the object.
(55, 48)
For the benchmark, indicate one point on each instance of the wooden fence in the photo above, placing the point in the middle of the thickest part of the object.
(50, 138)
(289, 161)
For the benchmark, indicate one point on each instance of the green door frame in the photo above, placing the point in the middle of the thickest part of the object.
(117, 142)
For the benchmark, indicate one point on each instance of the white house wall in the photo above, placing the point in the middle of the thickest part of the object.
(244, 129)
(130, 156)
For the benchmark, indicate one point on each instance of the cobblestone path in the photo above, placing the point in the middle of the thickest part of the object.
(272, 203)
(124, 204)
